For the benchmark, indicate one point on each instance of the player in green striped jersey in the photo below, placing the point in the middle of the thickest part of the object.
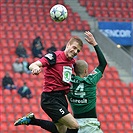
(82, 95)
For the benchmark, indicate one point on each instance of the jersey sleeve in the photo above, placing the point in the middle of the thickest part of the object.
(44, 61)
(48, 59)
(94, 76)
(51, 57)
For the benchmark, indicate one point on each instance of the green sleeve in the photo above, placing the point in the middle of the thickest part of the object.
(101, 59)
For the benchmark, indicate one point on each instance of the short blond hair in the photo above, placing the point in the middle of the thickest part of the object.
(76, 39)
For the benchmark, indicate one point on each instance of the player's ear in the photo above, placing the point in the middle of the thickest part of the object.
(86, 71)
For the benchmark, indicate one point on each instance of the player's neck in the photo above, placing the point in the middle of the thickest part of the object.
(81, 76)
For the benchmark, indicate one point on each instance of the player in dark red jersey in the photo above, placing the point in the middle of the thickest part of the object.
(57, 75)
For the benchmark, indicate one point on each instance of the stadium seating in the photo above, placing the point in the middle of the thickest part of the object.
(109, 10)
(24, 20)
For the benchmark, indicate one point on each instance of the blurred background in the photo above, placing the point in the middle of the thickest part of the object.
(111, 22)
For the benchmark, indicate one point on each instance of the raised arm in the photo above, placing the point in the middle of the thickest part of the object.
(102, 61)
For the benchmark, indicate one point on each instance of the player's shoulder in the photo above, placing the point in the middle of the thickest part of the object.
(58, 53)
(95, 71)
(51, 57)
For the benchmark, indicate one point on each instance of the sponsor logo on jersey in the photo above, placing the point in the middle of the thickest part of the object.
(78, 101)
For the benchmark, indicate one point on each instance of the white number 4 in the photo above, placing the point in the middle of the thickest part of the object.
(80, 90)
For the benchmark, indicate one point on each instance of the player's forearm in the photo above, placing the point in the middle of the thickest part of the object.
(34, 65)
(101, 58)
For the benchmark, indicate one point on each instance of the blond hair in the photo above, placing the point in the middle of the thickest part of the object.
(76, 39)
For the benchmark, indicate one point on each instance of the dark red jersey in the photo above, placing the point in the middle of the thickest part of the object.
(57, 71)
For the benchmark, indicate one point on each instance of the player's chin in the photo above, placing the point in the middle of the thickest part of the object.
(71, 57)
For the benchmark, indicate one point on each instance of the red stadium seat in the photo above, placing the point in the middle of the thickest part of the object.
(117, 117)
(2, 73)
(125, 116)
(11, 43)
(107, 108)
(25, 101)
(2, 107)
(99, 109)
(35, 108)
(2, 66)
(5, 51)
(26, 109)
(17, 35)
(110, 92)
(129, 108)
(110, 83)
(128, 100)
(8, 60)
(8, 100)
(101, 117)
(119, 125)
(4, 127)
(21, 129)
(128, 126)
(12, 128)
(39, 91)
(120, 100)
(104, 126)
(25, 76)
(111, 126)
(118, 91)
(33, 101)
(19, 82)
(115, 108)
(14, 92)
(10, 117)
(17, 75)
(113, 100)
(30, 84)
(103, 91)
(131, 85)
(3, 41)
(9, 108)
(123, 108)
(18, 109)
(6, 93)
(3, 117)
(16, 100)
(105, 99)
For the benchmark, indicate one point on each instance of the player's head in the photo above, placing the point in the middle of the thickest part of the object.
(73, 47)
(81, 68)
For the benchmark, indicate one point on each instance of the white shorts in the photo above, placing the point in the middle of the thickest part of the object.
(89, 125)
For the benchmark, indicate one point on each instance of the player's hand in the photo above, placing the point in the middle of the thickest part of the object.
(90, 38)
(36, 71)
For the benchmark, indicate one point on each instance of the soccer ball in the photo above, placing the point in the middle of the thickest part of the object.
(58, 13)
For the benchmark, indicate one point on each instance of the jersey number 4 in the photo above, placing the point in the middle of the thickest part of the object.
(79, 91)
